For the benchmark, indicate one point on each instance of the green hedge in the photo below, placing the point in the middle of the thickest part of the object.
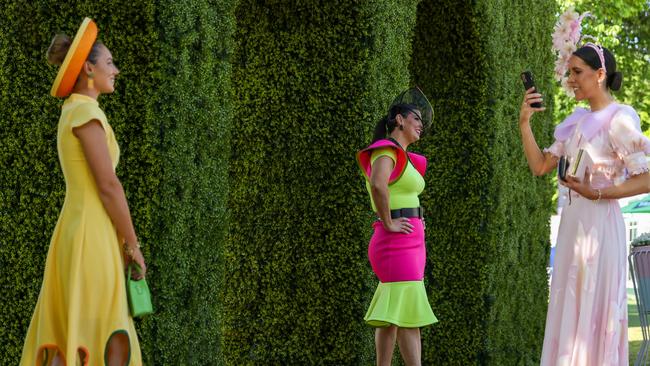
(312, 78)
(171, 113)
(291, 282)
(487, 230)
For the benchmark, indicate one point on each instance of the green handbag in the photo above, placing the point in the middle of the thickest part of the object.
(138, 294)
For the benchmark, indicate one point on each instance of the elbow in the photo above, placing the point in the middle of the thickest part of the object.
(644, 182)
(541, 168)
(378, 188)
(538, 172)
(108, 188)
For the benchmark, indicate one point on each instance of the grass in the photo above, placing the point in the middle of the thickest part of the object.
(635, 337)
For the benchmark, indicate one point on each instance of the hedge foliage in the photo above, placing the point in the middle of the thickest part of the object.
(487, 230)
(283, 278)
(171, 112)
(311, 77)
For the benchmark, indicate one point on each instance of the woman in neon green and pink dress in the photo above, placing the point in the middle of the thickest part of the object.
(394, 179)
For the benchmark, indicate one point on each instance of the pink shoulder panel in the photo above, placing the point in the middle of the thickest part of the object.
(364, 156)
(419, 162)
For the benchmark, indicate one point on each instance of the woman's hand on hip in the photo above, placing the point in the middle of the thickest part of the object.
(399, 225)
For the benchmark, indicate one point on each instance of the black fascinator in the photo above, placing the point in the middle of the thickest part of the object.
(415, 97)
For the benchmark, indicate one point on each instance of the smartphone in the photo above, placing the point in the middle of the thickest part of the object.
(563, 167)
(529, 82)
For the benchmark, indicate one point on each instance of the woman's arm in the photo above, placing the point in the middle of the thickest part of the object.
(93, 141)
(381, 169)
(538, 162)
(634, 185)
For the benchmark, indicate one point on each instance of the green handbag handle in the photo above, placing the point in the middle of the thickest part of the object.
(131, 265)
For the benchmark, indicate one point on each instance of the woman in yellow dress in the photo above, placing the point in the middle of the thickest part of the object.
(82, 314)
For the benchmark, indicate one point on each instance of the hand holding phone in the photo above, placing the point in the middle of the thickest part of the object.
(529, 82)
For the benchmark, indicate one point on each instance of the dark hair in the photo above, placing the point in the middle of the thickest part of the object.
(387, 124)
(591, 58)
(59, 48)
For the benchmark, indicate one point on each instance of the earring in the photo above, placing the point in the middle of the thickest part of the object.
(401, 127)
(91, 81)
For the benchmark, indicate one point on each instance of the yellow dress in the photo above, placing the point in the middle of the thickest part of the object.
(83, 301)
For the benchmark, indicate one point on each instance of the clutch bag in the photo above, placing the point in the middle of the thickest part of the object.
(138, 293)
(579, 165)
(563, 167)
(581, 162)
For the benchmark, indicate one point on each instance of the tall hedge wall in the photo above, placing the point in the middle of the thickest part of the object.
(171, 113)
(311, 77)
(488, 232)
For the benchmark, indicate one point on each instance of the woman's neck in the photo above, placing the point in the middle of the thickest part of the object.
(88, 92)
(600, 101)
(400, 139)
(81, 87)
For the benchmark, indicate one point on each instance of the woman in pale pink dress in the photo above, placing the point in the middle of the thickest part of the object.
(586, 323)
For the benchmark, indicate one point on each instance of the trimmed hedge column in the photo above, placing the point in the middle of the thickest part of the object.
(171, 114)
(488, 221)
(312, 78)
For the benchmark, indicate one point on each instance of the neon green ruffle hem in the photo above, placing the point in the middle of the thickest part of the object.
(404, 304)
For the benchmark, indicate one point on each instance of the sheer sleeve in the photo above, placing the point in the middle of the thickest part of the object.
(629, 143)
(557, 149)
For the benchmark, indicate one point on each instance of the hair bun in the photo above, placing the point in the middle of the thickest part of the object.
(58, 49)
(615, 80)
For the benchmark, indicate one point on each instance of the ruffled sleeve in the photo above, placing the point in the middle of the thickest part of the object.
(557, 149)
(629, 143)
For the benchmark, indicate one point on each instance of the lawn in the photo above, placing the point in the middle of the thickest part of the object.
(634, 327)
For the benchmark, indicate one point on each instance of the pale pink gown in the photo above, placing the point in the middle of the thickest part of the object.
(586, 323)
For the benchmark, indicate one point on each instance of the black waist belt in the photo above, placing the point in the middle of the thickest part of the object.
(407, 212)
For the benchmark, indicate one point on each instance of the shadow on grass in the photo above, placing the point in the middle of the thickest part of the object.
(634, 350)
(633, 316)
(632, 310)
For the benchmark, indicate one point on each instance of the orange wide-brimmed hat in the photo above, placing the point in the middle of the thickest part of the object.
(74, 60)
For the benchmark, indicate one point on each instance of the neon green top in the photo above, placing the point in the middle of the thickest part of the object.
(404, 192)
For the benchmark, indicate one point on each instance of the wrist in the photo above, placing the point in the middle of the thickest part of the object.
(598, 194)
(131, 247)
(386, 223)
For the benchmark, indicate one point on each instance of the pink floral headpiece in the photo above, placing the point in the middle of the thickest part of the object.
(566, 35)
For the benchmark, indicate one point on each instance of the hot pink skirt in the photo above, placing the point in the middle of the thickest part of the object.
(397, 257)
